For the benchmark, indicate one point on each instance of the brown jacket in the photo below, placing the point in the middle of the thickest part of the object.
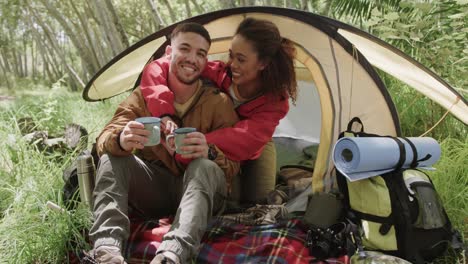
(210, 110)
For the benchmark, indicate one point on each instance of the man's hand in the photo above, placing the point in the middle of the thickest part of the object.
(168, 125)
(196, 143)
(133, 136)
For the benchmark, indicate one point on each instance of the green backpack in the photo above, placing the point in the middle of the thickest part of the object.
(399, 212)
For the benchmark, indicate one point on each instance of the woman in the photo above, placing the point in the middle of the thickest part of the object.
(260, 78)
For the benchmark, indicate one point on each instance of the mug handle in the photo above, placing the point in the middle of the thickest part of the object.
(168, 140)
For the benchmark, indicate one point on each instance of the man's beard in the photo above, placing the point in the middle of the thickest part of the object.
(187, 82)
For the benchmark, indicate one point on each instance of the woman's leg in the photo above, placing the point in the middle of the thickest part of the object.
(259, 176)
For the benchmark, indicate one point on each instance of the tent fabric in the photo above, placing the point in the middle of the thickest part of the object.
(334, 68)
(395, 63)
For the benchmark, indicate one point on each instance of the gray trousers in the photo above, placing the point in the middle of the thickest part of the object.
(154, 191)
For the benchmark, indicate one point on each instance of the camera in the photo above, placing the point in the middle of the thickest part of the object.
(328, 242)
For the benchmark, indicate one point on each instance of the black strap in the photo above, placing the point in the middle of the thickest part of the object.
(402, 159)
(414, 162)
(350, 124)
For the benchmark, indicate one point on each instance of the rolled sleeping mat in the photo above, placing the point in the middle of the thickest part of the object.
(363, 157)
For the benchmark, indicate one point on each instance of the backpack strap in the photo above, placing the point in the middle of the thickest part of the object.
(351, 123)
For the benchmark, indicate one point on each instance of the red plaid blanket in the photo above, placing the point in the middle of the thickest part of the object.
(225, 242)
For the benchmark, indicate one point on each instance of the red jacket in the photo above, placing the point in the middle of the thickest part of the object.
(258, 118)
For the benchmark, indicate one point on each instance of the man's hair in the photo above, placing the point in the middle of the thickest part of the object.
(191, 27)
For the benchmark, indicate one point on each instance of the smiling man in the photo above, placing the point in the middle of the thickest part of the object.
(153, 181)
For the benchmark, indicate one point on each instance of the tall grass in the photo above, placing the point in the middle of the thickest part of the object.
(31, 175)
(451, 181)
(419, 116)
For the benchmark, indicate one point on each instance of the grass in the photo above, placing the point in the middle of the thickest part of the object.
(30, 176)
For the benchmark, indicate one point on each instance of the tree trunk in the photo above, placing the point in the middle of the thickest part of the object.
(104, 53)
(25, 61)
(108, 30)
(73, 33)
(288, 3)
(19, 63)
(10, 51)
(197, 7)
(34, 59)
(46, 52)
(56, 47)
(116, 23)
(4, 52)
(5, 74)
(92, 48)
(187, 8)
(157, 19)
(171, 11)
(304, 5)
(14, 57)
(227, 4)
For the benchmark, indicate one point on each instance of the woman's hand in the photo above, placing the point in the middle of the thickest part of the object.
(168, 125)
(167, 146)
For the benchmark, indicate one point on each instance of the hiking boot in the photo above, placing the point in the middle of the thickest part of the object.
(109, 255)
(164, 259)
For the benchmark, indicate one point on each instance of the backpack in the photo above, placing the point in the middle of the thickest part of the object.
(399, 212)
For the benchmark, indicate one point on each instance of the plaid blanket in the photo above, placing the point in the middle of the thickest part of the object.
(225, 242)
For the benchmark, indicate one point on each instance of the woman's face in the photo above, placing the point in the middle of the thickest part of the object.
(244, 62)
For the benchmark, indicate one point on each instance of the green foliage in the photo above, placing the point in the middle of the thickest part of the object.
(451, 180)
(433, 33)
(30, 176)
(418, 114)
(360, 10)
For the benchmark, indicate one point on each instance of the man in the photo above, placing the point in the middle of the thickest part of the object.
(154, 182)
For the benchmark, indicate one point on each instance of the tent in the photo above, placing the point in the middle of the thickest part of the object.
(335, 69)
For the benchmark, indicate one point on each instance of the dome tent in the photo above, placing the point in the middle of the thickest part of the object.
(335, 72)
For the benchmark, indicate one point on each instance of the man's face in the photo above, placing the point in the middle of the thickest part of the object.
(188, 52)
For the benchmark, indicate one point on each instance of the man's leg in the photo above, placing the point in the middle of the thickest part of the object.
(204, 192)
(116, 177)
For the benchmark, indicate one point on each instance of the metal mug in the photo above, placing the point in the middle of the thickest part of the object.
(152, 124)
(179, 136)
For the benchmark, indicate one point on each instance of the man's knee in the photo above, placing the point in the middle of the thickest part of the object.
(204, 171)
(111, 162)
